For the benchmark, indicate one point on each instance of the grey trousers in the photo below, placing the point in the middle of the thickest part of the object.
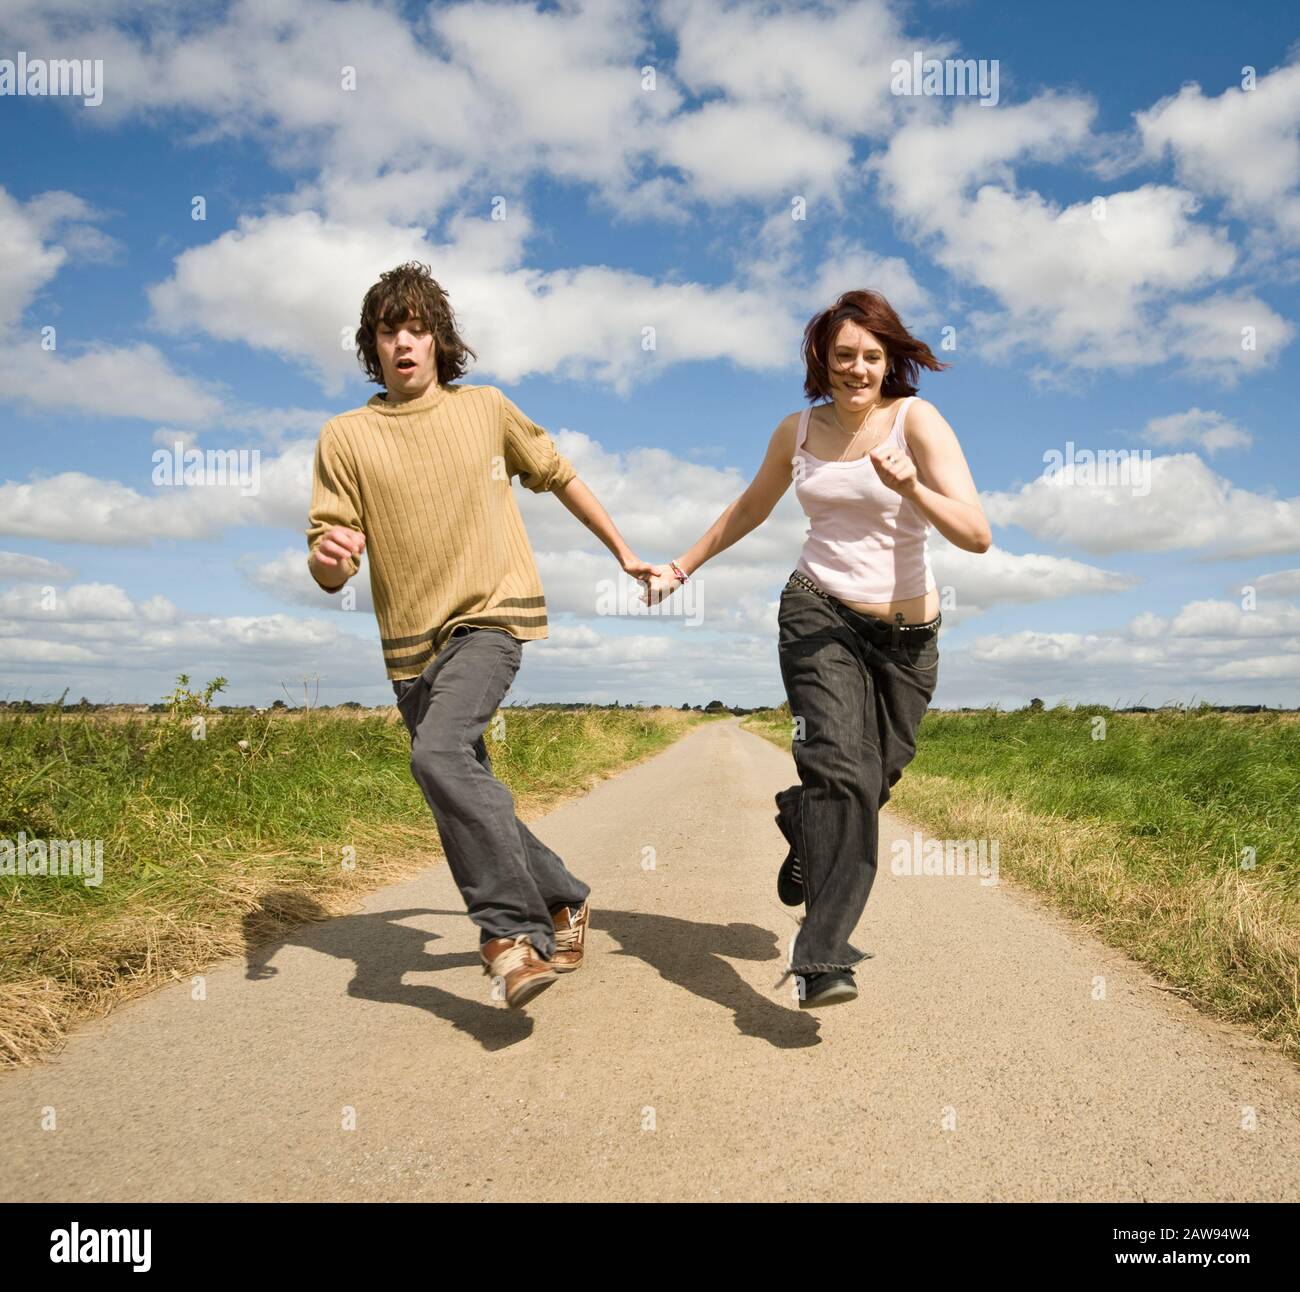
(857, 696)
(509, 878)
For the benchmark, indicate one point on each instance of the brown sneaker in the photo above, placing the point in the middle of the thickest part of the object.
(570, 935)
(515, 962)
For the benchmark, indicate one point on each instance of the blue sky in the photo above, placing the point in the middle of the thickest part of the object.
(670, 208)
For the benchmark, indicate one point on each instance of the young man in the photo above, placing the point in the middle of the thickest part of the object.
(419, 479)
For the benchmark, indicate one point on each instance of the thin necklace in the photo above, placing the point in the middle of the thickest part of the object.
(849, 445)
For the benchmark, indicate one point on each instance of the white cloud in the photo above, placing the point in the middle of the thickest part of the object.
(1087, 292)
(75, 507)
(558, 92)
(1226, 336)
(27, 263)
(1280, 583)
(107, 381)
(79, 602)
(292, 285)
(129, 650)
(826, 66)
(1242, 146)
(1226, 619)
(135, 381)
(715, 148)
(15, 566)
(1188, 507)
(1208, 429)
(1211, 651)
(26, 651)
(981, 581)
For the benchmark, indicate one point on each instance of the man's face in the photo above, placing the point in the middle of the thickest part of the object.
(407, 357)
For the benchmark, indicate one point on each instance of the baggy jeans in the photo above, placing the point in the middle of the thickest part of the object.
(510, 880)
(857, 694)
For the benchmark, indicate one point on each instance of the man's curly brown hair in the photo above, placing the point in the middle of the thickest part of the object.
(411, 292)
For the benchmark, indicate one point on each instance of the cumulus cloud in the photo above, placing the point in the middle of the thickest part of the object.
(15, 566)
(981, 581)
(107, 381)
(75, 507)
(714, 147)
(560, 92)
(135, 381)
(1242, 145)
(1091, 285)
(27, 263)
(1187, 507)
(1280, 583)
(105, 644)
(1209, 650)
(291, 285)
(80, 602)
(1207, 429)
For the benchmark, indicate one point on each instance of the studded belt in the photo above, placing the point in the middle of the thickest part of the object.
(896, 629)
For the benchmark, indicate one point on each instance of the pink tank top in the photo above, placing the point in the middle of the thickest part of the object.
(865, 542)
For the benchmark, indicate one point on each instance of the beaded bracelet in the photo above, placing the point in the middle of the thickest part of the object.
(677, 570)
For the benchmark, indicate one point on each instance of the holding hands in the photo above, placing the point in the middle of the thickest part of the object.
(660, 580)
(667, 579)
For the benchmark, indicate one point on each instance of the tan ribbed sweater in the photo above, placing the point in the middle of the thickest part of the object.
(428, 483)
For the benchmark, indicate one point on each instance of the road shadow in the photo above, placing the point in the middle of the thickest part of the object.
(688, 954)
(384, 951)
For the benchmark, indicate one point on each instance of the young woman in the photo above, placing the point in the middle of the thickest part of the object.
(873, 467)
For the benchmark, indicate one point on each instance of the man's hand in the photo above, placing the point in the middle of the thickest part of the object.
(336, 546)
(638, 568)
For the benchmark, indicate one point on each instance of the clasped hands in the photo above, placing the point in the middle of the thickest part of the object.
(659, 580)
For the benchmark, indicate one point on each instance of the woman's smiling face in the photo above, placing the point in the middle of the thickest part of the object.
(856, 366)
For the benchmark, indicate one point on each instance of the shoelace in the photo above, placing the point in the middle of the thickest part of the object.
(567, 939)
(512, 958)
(795, 873)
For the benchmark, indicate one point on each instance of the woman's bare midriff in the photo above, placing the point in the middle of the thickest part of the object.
(915, 610)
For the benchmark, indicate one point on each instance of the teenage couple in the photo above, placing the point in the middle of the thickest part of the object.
(419, 478)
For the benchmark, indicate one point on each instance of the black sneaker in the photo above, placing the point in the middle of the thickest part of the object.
(789, 883)
(833, 987)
